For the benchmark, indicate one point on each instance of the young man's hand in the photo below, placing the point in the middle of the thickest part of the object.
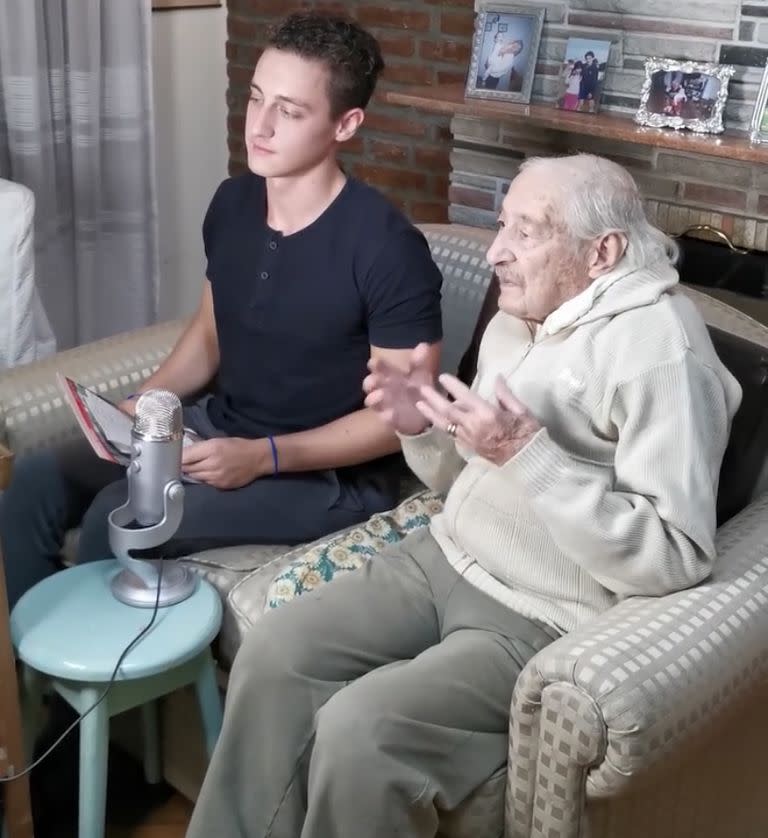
(128, 406)
(227, 463)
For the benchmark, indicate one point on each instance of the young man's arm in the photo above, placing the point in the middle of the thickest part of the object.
(352, 439)
(402, 299)
(228, 463)
(194, 359)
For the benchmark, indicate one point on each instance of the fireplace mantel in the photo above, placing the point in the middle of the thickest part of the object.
(450, 100)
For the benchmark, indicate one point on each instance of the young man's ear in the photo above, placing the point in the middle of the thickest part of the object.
(348, 124)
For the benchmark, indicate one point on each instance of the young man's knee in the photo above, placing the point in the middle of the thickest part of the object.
(34, 477)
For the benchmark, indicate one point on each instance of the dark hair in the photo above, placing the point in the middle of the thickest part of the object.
(589, 53)
(352, 54)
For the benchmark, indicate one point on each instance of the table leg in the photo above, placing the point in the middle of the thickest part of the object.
(94, 747)
(153, 769)
(31, 707)
(209, 699)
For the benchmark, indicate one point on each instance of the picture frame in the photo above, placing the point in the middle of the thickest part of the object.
(758, 129)
(582, 74)
(684, 94)
(505, 47)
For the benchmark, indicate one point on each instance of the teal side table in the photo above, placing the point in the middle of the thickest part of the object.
(69, 631)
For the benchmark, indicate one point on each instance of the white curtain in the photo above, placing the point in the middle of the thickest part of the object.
(76, 127)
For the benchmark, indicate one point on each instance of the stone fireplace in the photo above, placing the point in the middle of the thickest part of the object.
(681, 189)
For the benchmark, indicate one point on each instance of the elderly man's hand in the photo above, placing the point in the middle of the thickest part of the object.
(495, 433)
(393, 392)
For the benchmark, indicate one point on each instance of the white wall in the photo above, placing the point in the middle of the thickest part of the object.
(190, 83)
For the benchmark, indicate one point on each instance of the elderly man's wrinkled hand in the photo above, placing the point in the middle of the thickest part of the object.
(495, 432)
(393, 392)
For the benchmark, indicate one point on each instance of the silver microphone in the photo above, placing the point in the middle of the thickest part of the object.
(155, 505)
(156, 442)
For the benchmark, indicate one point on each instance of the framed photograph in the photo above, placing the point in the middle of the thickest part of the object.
(759, 128)
(684, 94)
(504, 52)
(582, 75)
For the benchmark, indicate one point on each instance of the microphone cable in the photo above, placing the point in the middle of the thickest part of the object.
(105, 693)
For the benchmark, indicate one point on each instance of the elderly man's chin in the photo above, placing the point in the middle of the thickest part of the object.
(512, 299)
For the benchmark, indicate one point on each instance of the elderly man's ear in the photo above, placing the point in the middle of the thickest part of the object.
(605, 253)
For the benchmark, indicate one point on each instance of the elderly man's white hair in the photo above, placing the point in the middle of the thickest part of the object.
(600, 196)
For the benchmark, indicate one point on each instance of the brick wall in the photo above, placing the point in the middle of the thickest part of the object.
(415, 159)
(680, 189)
(424, 42)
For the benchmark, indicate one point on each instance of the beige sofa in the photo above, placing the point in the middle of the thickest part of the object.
(647, 722)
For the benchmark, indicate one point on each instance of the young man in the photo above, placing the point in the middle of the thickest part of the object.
(590, 73)
(310, 274)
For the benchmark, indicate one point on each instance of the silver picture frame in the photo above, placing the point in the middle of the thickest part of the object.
(684, 95)
(758, 129)
(524, 25)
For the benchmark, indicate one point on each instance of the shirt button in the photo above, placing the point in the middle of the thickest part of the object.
(273, 245)
(264, 275)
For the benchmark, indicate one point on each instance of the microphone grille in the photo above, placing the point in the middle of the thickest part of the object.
(158, 415)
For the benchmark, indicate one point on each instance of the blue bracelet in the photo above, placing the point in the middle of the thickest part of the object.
(275, 464)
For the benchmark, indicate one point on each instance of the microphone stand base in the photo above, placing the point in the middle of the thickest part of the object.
(178, 583)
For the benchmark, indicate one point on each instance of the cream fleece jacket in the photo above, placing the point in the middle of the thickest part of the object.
(615, 496)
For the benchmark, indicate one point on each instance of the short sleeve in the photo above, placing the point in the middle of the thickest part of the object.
(402, 293)
(210, 224)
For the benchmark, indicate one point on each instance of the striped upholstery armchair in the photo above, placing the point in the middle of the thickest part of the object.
(647, 721)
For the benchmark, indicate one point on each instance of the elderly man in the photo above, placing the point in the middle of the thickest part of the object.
(580, 468)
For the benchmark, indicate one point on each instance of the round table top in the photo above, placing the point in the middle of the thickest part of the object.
(71, 626)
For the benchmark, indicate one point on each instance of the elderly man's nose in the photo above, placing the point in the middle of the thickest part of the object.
(497, 252)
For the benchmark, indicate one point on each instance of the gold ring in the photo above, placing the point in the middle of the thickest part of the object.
(451, 429)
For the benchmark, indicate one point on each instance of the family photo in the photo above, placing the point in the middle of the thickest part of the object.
(684, 95)
(504, 53)
(582, 75)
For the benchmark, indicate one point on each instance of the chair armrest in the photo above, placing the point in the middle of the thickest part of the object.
(33, 413)
(615, 697)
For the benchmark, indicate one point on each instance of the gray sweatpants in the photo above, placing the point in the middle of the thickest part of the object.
(361, 708)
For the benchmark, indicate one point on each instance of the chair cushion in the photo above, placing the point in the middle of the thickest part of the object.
(325, 560)
(747, 450)
(304, 568)
(25, 331)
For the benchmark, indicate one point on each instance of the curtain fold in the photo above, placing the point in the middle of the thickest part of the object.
(76, 127)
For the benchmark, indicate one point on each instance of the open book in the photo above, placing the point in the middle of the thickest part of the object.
(105, 426)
